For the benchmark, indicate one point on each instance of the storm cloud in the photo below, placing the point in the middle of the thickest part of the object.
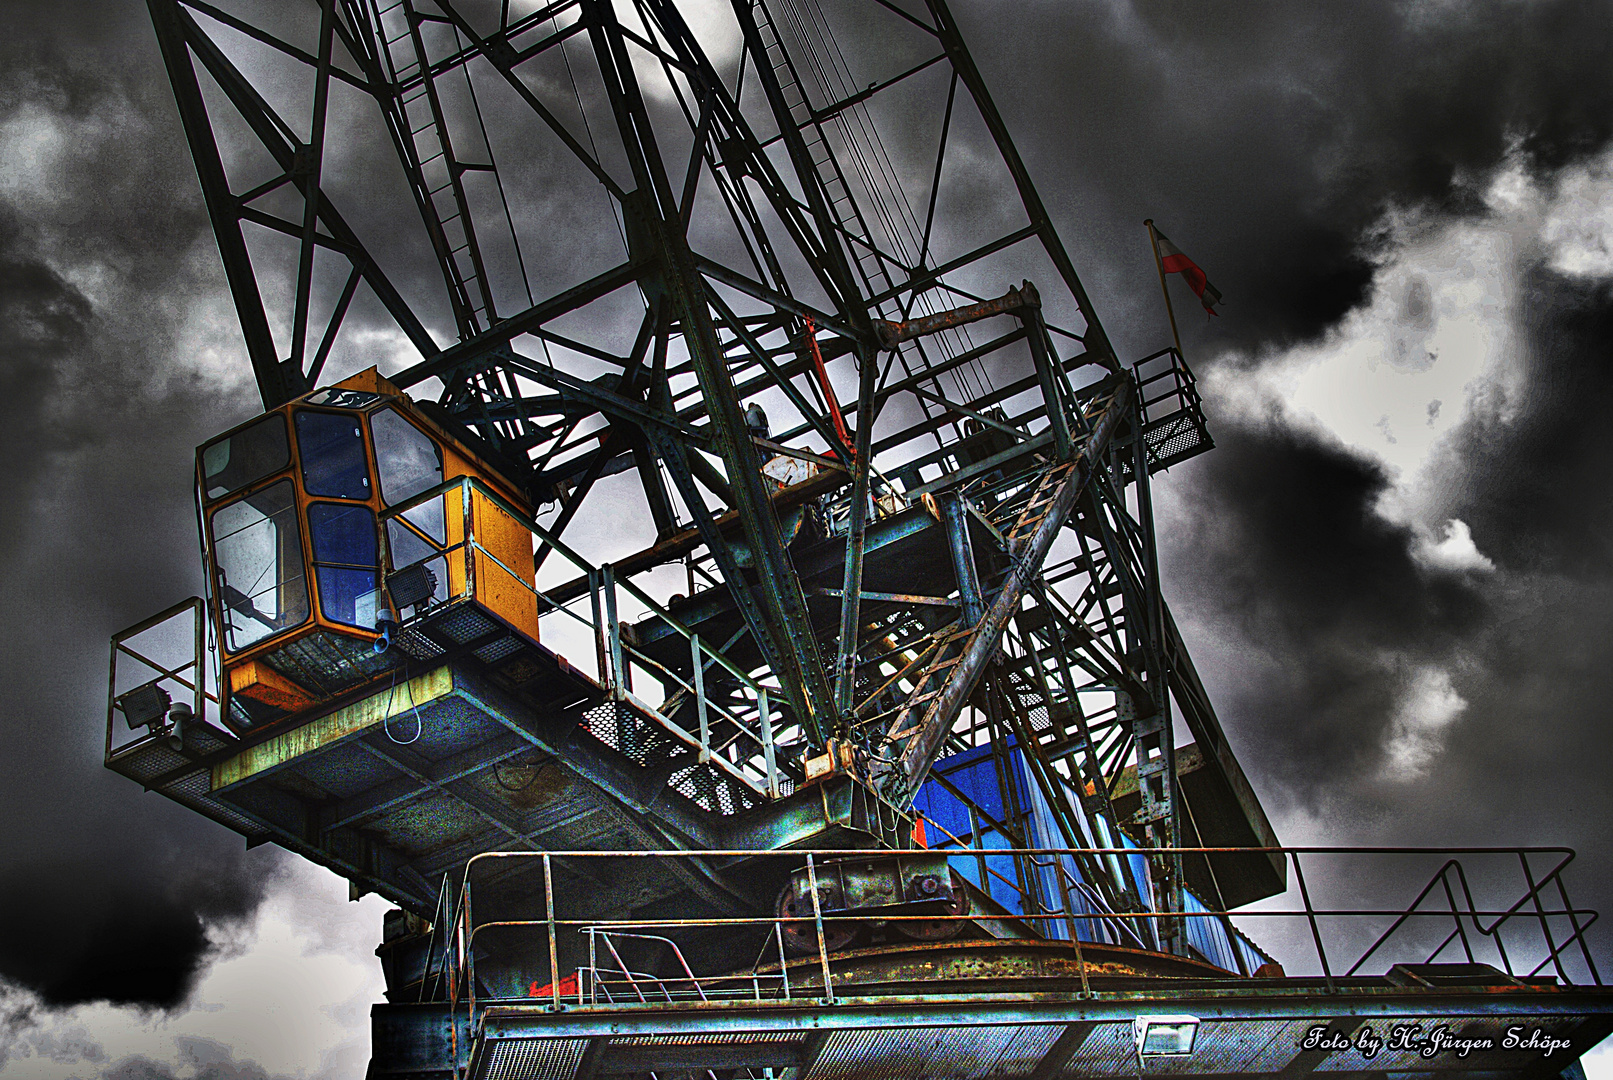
(1400, 598)
(108, 375)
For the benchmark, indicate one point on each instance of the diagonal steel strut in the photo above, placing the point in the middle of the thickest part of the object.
(980, 646)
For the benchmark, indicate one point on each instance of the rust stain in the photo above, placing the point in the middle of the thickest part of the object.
(391, 702)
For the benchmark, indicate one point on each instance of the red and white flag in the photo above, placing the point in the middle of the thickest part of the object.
(1174, 261)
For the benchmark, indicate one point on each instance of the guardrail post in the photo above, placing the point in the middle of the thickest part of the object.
(453, 986)
(817, 918)
(765, 717)
(700, 698)
(613, 631)
(469, 526)
(783, 960)
(199, 697)
(554, 952)
(593, 967)
(601, 646)
(1316, 933)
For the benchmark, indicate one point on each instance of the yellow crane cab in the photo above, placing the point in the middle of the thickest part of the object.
(332, 527)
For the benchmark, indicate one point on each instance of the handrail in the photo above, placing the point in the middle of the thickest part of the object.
(616, 653)
(196, 608)
(475, 483)
(1492, 931)
(1532, 908)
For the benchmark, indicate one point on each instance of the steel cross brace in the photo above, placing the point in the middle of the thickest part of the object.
(921, 749)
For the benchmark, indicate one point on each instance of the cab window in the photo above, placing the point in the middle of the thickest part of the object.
(408, 462)
(257, 554)
(231, 463)
(332, 449)
(346, 563)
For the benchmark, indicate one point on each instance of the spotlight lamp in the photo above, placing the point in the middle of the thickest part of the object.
(144, 706)
(1164, 1036)
(412, 586)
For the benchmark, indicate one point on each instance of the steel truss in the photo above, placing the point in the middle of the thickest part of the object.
(821, 216)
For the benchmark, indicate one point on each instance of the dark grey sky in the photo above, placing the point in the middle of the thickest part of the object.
(1384, 191)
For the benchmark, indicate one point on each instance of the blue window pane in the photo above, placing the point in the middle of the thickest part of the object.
(332, 447)
(346, 565)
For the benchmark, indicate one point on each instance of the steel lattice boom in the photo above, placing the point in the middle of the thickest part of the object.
(698, 561)
(777, 264)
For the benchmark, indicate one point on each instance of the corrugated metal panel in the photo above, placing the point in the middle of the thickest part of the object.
(531, 1059)
(844, 1052)
(956, 1053)
(1108, 1051)
(1028, 1046)
(1282, 1046)
(1236, 1046)
(1231, 1047)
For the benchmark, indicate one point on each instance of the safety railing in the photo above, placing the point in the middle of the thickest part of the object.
(159, 680)
(1173, 415)
(737, 735)
(608, 979)
(1532, 932)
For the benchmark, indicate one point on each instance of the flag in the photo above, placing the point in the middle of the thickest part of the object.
(1173, 261)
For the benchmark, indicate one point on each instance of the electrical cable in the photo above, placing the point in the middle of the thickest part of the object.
(386, 715)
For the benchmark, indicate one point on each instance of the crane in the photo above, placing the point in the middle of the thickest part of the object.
(766, 288)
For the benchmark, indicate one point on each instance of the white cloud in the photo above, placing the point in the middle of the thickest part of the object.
(1577, 221)
(1436, 343)
(1455, 552)
(1416, 734)
(1598, 1061)
(1439, 341)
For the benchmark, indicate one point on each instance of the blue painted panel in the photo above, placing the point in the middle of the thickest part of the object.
(1056, 884)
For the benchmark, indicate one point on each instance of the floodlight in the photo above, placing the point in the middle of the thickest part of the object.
(1164, 1036)
(144, 706)
(412, 586)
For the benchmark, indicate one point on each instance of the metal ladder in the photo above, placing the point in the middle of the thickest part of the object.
(421, 133)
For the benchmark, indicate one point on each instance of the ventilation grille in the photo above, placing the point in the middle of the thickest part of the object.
(643, 741)
(463, 625)
(532, 1059)
(148, 762)
(494, 652)
(418, 645)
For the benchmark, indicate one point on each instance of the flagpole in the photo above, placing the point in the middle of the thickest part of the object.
(1159, 264)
